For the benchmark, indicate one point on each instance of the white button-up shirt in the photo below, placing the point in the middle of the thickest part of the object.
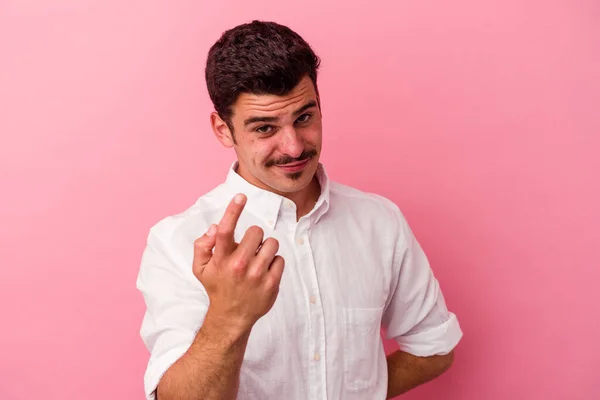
(352, 266)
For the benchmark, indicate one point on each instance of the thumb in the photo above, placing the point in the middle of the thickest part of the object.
(203, 247)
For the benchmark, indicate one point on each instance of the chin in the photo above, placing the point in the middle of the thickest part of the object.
(297, 181)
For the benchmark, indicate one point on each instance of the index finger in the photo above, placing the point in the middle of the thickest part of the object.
(224, 243)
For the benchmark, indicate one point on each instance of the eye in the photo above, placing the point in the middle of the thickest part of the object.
(304, 118)
(264, 129)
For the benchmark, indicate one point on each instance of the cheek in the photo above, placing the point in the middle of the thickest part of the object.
(263, 149)
(312, 135)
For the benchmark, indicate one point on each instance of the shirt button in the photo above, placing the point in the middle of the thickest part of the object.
(300, 241)
(289, 204)
(270, 222)
(313, 299)
(317, 357)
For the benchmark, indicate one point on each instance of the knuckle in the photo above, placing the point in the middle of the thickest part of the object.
(224, 231)
(197, 269)
(198, 244)
(238, 264)
(230, 214)
(272, 284)
(255, 274)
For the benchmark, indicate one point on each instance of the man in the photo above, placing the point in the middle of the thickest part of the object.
(225, 318)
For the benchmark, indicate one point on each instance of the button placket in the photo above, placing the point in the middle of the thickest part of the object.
(318, 364)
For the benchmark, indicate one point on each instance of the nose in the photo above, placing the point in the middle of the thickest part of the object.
(291, 143)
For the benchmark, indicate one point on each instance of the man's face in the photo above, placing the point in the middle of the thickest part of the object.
(277, 138)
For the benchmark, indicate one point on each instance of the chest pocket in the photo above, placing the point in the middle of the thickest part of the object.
(362, 347)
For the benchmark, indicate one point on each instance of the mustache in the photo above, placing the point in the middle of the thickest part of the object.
(287, 159)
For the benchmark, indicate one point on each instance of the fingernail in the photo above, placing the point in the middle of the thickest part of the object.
(212, 230)
(239, 198)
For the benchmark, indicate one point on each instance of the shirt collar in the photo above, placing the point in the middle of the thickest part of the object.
(265, 204)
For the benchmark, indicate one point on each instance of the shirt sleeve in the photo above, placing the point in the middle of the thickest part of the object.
(176, 304)
(416, 315)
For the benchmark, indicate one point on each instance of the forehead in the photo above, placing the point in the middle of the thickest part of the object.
(249, 104)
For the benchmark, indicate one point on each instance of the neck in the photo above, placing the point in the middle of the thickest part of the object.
(304, 199)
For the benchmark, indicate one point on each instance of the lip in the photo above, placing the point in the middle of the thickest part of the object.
(295, 167)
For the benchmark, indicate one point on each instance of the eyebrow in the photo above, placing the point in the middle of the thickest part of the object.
(305, 107)
(296, 113)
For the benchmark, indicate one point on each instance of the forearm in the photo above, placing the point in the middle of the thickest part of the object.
(209, 370)
(406, 371)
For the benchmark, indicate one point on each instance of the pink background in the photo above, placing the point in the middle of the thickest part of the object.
(479, 118)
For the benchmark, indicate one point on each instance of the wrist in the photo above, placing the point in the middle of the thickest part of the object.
(224, 331)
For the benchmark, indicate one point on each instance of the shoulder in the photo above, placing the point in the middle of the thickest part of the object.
(364, 203)
(370, 212)
(193, 221)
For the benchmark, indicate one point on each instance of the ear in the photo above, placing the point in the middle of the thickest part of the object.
(221, 130)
